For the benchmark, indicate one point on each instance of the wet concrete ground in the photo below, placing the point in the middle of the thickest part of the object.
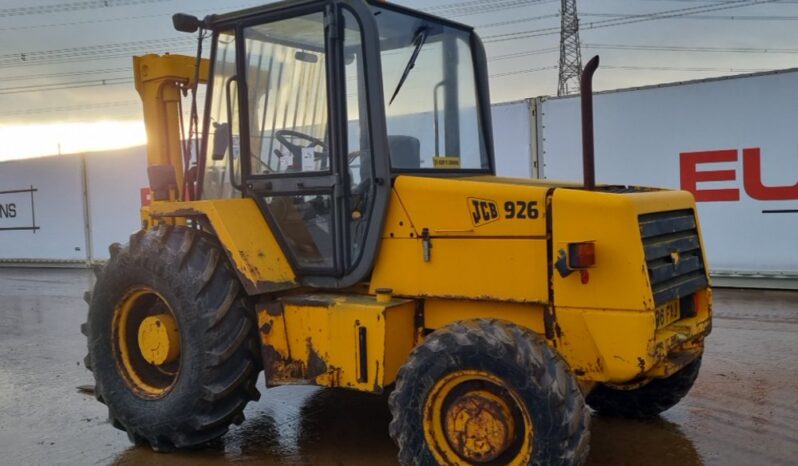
(743, 409)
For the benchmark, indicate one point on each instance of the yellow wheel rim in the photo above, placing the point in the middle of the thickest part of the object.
(146, 341)
(473, 417)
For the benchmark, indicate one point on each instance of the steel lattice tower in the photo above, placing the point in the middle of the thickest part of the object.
(570, 50)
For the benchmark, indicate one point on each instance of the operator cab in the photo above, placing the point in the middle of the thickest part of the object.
(314, 107)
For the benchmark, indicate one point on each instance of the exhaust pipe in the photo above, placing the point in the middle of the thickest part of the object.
(588, 153)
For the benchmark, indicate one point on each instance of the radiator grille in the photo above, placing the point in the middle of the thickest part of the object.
(673, 254)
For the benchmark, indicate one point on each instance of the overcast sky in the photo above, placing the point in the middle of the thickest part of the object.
(54, 56)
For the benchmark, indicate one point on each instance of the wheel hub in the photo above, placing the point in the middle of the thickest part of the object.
(146, 342)
(159, 339)
(474, 417)
(479, 426)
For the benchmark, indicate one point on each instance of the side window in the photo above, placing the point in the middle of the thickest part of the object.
(359, 153)
(288, 130)
(306, 226)
(222, 160)
(287, 87)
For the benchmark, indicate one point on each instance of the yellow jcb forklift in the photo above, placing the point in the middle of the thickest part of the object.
(338, 222)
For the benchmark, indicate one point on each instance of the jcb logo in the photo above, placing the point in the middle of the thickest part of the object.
(483, 211)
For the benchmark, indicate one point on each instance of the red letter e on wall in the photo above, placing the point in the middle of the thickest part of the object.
(690, 176)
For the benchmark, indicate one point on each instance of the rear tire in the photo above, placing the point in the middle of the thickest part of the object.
(647, 401)
(498, 364)
(213, 377)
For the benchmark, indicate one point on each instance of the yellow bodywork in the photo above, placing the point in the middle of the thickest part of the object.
(606, 327)
(451, 249)
(461, 252)
(245, 236)
(335, 340)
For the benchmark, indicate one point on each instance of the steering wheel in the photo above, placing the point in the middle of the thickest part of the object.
(287, 136)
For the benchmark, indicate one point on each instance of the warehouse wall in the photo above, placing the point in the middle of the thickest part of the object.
(114, 183)
(44, 223)
(52, 223)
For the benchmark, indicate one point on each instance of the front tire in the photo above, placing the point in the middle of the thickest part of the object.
(647, 401)
(172, 340)
(488, 392)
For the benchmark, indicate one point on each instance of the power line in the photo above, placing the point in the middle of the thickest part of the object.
(122, 18)
(122, 54)
(473, 7)
(29, 77)
(99, 81)
(508, 56)
(516, 21)
(95, 52)
(65, 85)
(529, 70)
(466, 4)
(681, 68)
(619, 16)
(78, 23)
(122, 50)
(71, 108)
(70, 7)
(91, 49)
(642, 68)
(676, 48)
(706, 17)
(631, 20)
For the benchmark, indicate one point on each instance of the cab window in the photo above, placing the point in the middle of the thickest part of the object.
(430, 95)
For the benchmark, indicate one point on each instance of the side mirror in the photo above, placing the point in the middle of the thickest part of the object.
(221, 140)
(186, 23)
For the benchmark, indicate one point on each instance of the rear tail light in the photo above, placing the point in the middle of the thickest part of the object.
(688, 305)
(581, 255)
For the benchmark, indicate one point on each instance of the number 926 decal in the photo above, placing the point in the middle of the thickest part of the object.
(484, 211)
(521, 209)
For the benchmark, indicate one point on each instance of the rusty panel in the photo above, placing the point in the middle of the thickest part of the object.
(314, 338)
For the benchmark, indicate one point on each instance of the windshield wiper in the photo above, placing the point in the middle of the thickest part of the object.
(419, 39)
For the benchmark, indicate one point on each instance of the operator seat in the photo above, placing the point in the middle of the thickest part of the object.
(405, 152)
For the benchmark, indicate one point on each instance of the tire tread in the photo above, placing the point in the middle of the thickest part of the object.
(228, 381)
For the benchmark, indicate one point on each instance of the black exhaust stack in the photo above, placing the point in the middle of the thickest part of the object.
(588, 154)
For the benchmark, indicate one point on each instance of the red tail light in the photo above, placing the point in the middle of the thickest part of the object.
(581, 255)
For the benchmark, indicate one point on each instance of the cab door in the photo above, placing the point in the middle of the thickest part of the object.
(317, 164)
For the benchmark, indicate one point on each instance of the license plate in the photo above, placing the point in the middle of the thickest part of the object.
(667, 314)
